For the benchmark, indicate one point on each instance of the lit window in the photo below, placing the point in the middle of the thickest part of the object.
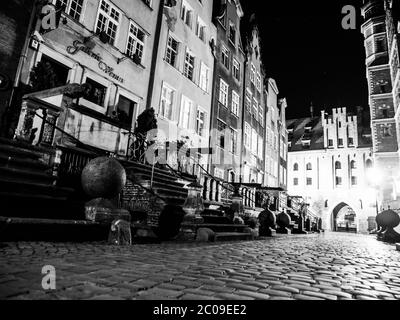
(135, 45)
(200, 120)
(261, 114)
(235, 103)
(236, 69)
(253, 73)
(189, 66)
(71, 7)
(248, 102)
(167, 101)
(204, 77)
(258, 84)
(254, 141)
(260, 147)
(255, 109)
(247, 135)
(225, 57)
(108, 21)
(223, 93)
(186, 106)
(172, 51)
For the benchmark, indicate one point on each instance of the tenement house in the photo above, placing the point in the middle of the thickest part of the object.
(104, 44)
(381, 82)
(330, 164)
(182, 89)
(227, 113)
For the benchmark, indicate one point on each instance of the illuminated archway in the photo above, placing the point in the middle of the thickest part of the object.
(344, 218)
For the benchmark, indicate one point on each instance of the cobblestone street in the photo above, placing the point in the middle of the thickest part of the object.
(328, 266)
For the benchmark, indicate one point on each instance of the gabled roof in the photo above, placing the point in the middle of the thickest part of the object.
(300, 137)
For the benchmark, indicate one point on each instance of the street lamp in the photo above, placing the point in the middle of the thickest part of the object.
(374, 179)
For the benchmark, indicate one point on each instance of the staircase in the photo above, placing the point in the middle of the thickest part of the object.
(32, 205)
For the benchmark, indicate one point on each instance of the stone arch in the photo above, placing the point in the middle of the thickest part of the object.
(335, 211)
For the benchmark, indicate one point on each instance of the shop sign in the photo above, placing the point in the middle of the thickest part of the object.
(79, 46)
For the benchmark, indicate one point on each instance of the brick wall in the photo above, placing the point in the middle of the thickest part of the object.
(14, 18)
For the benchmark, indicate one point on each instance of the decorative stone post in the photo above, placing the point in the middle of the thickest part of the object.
(194, 205)
(267, 220)
(390, 220)
(283, 220)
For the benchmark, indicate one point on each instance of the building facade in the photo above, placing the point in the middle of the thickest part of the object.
(329, 164)
(253, 148)
(227, 111)
(381, 74)
(12, 43)
(183, 72)
(104, 44)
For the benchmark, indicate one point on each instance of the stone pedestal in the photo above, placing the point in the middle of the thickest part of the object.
(300, 227)
(283, 220)
(267, 222)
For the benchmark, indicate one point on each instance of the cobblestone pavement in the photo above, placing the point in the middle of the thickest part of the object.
(330, 266)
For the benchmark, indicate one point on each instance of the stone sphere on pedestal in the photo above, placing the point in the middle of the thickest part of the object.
(103, 178)
(388, 218)
(283, 220)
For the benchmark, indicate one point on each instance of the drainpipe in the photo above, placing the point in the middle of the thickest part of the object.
(157, 37)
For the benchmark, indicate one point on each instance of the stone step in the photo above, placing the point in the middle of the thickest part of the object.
(164, 192)
(398, 247)
(215, 219)
(14, 151)
(27, 175)
(22, 163)
(54, 230)
(219, 227)
(32, 188)
(232, 236)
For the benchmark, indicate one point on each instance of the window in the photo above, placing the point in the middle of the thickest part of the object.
(189, 65)
(147, 2)
(108, 21)
(201, 30)
(59, 71)
(167, 101)
(125, 110)
(296, 181)
(330, 143)
(71, 7)
(186, 106)
(386, 131)
(260, 147)
(253, 73)
(338, 181)
(248, 102)
(255, 109)
(309, 167)
(232, 33)
(247, 135)
(236, 69)
(351, 142)
(353, 181)
(200, 120)
(254, 141)
(223, 93)
(296, 167)
(258, 84)
(338, 165)
(204, 77)
(96, 92)
(261, 114)
(172, 51)
(235, 103)
(221, 134)
(135, 45)
(225, 57)
(233, 142)
(340, 142)
(187, 14)
(309, 181)
(353, 165)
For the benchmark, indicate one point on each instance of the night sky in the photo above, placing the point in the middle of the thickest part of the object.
(309, 54)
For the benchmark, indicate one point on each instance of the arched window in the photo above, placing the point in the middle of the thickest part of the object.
(309, 167)
(296, 167)
(368, 164)
(338, 165)
(353, 165)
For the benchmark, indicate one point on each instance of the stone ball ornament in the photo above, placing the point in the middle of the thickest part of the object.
(103, 177)
(283, 220)
(388, 218)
